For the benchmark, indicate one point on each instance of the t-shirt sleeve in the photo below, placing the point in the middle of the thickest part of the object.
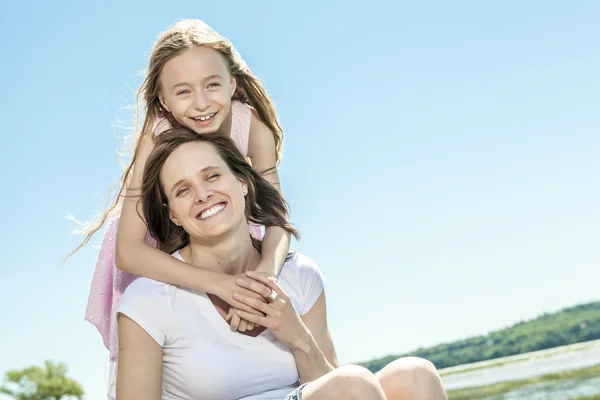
(311, 280)
(148, 304)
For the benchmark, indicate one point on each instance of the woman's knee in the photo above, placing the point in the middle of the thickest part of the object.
(350, 382)
(356, 381)
(411, 376)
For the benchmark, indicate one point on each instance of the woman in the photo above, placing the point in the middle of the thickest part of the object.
(198, 196)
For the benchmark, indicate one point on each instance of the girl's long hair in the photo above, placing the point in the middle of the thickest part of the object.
(182, 36)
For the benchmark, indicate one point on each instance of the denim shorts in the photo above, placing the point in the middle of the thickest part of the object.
(296, 394)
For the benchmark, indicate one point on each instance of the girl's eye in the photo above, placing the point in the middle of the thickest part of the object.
(185, 91)
(181, 191)
(213, 85)
(213, 177)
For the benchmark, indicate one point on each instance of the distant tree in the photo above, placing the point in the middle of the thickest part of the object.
(41, 383)
(570, 325)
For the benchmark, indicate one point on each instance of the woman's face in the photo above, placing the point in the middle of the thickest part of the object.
(205, 198)
(196, 87)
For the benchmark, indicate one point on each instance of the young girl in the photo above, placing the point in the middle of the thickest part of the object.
(196, 79)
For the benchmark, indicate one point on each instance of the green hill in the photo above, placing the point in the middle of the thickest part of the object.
(570, 325)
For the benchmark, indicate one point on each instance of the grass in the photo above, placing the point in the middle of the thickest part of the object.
(480, 392)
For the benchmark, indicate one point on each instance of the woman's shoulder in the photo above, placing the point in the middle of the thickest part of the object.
(301, 263)
(145, 291)
(149, 291)
(301, 277)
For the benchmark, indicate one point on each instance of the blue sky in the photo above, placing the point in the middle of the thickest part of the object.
(441, 161)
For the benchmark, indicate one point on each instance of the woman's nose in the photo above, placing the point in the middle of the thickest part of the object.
(203, 194)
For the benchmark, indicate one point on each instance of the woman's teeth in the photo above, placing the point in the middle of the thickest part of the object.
(205, 117)
(211, 211)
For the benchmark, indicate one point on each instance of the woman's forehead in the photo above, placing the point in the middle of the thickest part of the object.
(189, 159)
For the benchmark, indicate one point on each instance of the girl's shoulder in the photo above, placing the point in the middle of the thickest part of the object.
(261, 141)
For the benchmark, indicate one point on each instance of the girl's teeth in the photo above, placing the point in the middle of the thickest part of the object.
(206, 118)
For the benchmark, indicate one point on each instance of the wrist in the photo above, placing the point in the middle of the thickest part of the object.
(207, 282)
(304, 343)
(267, 267)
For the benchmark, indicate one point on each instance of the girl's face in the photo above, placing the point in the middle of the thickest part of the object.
(205, 197)
(196, 87)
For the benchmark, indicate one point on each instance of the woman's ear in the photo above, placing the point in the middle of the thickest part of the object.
(244, 186)
(173, 217)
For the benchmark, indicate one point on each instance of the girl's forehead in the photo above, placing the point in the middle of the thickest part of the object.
(194, 63)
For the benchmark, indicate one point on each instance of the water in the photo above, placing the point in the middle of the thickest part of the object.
(526, 369)
(554, 390)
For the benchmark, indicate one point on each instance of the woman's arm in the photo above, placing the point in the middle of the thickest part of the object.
(315, 354)
(135, 256)
(139, 375)
(261, 151)
(308, 336)
(315, 321)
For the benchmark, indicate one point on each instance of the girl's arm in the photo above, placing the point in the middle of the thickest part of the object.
(139, 375)
(135, 256)
(261, 151)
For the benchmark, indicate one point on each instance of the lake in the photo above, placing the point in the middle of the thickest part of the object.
(530, 365)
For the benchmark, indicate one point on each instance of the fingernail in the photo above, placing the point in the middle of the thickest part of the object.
(240, 281)
(237, 295)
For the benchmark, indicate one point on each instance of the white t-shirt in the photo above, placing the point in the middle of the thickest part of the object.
(202, 357)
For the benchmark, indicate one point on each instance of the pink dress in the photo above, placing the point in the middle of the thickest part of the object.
(109, 283)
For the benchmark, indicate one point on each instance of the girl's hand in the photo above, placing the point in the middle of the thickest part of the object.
(226, 286)
(236, 323)
(234, 319)
(279, 316)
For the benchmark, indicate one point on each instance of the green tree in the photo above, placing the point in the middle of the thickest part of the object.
(570, 325)
(41, 383)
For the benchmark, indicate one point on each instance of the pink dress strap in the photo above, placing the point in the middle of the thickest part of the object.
(109, 282)
(160, 125)
(241, 115)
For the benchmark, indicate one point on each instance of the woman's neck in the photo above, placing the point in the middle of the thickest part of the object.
(232, 255)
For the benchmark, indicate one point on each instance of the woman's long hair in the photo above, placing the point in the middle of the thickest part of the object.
(264, 204)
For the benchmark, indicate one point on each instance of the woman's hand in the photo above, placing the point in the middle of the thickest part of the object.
(279, 316)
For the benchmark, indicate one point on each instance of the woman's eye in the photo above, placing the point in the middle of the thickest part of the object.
(213, 85)
(181, 191)
(213, 177)
(182, 92)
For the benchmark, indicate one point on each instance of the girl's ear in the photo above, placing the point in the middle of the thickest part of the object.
(163, 103)
(232, 86)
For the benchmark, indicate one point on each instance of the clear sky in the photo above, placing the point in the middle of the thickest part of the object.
(441, 160)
